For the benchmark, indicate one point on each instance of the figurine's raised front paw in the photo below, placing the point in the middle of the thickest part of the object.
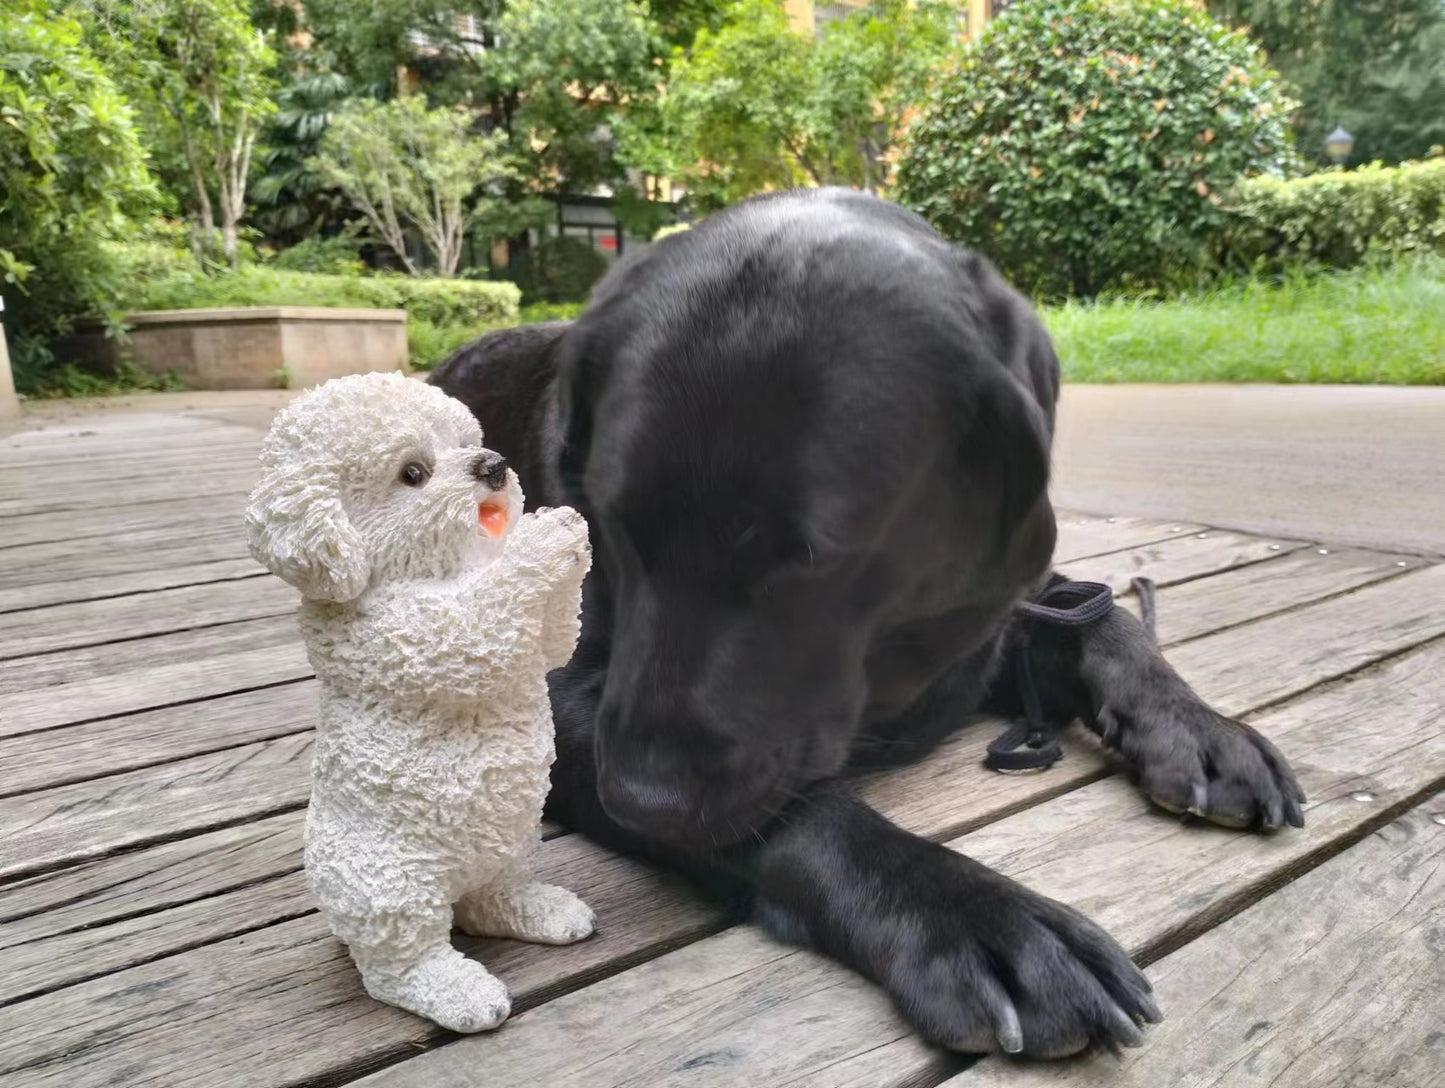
(541, 913)
(447, 988)
(557, 538)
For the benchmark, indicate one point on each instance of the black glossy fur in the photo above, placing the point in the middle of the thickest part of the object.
(811, 440)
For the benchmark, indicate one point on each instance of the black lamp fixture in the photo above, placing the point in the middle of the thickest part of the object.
(1338, 145)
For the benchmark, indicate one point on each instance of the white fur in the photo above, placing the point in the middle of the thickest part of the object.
(432, 642)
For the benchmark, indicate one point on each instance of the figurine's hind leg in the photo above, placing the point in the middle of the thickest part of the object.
(507, 902)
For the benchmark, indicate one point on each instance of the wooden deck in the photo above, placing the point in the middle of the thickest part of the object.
(155, 717)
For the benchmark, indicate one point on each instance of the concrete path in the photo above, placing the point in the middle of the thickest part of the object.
(1361, 465)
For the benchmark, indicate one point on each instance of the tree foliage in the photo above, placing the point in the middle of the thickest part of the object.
(1375, 66)
(754, 106)
(199, 71)
(402, 165)
(1084, 144)
(71, 165)
(292, 201)
(552, 75)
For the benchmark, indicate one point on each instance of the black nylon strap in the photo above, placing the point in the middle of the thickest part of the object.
(1030, 744)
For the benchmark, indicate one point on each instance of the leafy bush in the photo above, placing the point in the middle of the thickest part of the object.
(156, 249)
(436, 300)
(539, 312)
(1337, 219)
(70, 166)
(1084, 144)
(69, 380)
(339, 255)
(559, 269)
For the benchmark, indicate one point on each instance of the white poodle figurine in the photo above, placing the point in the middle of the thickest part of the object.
(432, 612)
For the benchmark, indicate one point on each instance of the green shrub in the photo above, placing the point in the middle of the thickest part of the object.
(338, 255)
(156, 249)
(539, 312)
(442, 314)
(1337, 219)
(1085, 144)
(435, 300)
(559, 269)
(69, 380)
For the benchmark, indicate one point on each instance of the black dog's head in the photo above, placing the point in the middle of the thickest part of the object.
(795, 440)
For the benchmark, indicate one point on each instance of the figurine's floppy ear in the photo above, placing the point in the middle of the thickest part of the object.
(299, 531)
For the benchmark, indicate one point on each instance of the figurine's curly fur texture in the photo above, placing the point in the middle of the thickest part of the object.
(432, 641)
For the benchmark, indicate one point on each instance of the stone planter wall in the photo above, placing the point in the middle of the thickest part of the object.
(251, 347)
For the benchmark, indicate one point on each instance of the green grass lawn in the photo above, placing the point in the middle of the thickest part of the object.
(1383, 326)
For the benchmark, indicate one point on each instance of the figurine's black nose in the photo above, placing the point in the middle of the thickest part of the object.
(491, 468)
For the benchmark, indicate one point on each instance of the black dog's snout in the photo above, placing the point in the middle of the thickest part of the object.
(491, 469)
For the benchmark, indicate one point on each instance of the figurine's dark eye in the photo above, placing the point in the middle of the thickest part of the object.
(414, 474)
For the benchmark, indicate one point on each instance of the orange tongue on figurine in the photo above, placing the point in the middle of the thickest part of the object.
(493, 517)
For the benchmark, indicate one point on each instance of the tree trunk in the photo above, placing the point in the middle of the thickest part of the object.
(205, 216)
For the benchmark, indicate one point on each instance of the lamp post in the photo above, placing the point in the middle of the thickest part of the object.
(1338, 145)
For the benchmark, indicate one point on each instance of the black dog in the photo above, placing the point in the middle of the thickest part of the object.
(812, 442)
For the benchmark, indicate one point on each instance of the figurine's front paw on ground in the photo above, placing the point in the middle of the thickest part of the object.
(451, 991)
(540, 913)
(1214, 767)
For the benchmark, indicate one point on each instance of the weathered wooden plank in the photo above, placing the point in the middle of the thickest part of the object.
(151, 879)
(157, 878)
(37, 966)
(260, 968)
(1336, 979)
(1228, 598)
(30, 529)
(108, 494)
(140, 615)
(97, 681)
(721, 993)
(88, 819)
(1082, 535)
(98, 454)
(1271, 659)
(147, 549)
(58, 757)
(1364, 749)
(131, 655)
(121, 457)
(145, 426)
(91, 588)
(1183, 557)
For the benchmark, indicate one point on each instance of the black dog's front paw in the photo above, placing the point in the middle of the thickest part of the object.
(1193, 759)
(989, 965)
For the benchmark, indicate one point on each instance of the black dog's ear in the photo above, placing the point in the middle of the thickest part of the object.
(1009, 443)
(506, 379)
(573, 429)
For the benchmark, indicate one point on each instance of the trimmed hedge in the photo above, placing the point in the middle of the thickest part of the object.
(439, 301)
(1337, 219)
